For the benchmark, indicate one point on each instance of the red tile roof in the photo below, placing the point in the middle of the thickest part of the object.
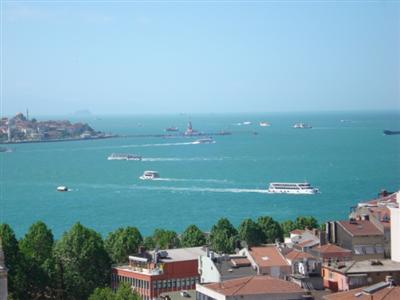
(297, 231)
(267, 256)
(254, 285)
(331, 248)
(388, 199)
(360, 228)
(298, 255)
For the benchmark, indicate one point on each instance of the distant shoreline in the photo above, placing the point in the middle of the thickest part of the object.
(59, 140)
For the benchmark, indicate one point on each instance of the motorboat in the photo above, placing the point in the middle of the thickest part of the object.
(150, 175)
(62, 188)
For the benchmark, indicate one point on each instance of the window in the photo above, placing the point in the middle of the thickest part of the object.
(379, 249)
(358, 250)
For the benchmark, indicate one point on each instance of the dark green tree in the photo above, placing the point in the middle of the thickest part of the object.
(102, 294)
(15, 263)
(287, 226)
(123, 242)
(149, 243)
(271, 229)
(124, 292)
(306, 222)
(165, 239)
(223, 236)
(37, 248)
(82, 262)
(251, 233)
(193, 237)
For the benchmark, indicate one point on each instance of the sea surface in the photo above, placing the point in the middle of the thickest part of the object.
(345, 155)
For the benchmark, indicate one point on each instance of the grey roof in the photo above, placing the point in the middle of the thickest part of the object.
(366, 266)
(229, 271)
(182, 254)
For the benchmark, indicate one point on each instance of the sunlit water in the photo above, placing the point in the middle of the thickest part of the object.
(348, 161)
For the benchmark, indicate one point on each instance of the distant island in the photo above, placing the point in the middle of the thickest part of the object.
(21, 129)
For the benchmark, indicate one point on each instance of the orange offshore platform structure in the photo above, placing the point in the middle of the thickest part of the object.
(155, 272)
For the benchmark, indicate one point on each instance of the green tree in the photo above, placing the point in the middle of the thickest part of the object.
(271, 229)
(287, 226)
(37, 248)
(124, 292)
(102, 294)
(251, 233)
(123, 242)
(193, 237)
(222, 236)
(149, 243)
(165, 239)
(82, 262)
(15, 263)
(306, 222)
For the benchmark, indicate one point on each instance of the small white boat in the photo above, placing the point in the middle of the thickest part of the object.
(204, 141)
(150, 175)
(62, 188)
(291, 188)
(246, 123)
(302, 126)
(264, 124)
(124, 156)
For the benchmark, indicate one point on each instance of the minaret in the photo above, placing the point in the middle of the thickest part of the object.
(3, 275)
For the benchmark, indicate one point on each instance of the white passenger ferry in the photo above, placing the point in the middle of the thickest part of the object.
(124, 156)
(150, 175)
(291, 188)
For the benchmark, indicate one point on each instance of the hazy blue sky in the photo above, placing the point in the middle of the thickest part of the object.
(135, 57)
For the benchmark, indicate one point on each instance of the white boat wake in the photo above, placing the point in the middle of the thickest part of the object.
(201, 189)
(192, 180)
(182, 158)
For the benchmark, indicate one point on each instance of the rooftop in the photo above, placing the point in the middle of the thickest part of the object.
(365, 266)
(180, 295)
(360, 228)
(298, 255)
(253, 285)
(330, 248)
(181, 254)
(267, 256)
(386, 292)
(229, 270)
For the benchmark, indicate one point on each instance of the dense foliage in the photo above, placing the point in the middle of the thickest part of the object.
(193, 237)
(78, 265)
(123, 242)
(124, 292)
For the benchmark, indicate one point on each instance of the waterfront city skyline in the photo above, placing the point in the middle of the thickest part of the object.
(172, 57)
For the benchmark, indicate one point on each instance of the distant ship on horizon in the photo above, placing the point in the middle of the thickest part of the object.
(391, 132)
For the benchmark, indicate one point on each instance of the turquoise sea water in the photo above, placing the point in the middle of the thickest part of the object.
(348, 161)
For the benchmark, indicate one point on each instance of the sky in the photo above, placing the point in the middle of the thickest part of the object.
(135, 57)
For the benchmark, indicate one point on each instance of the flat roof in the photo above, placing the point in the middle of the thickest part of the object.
(365, 266)
(182, 254)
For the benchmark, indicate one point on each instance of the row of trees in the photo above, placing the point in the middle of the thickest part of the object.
(80, 261)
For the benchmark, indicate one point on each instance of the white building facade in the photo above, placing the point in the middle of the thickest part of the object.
(395, 230)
